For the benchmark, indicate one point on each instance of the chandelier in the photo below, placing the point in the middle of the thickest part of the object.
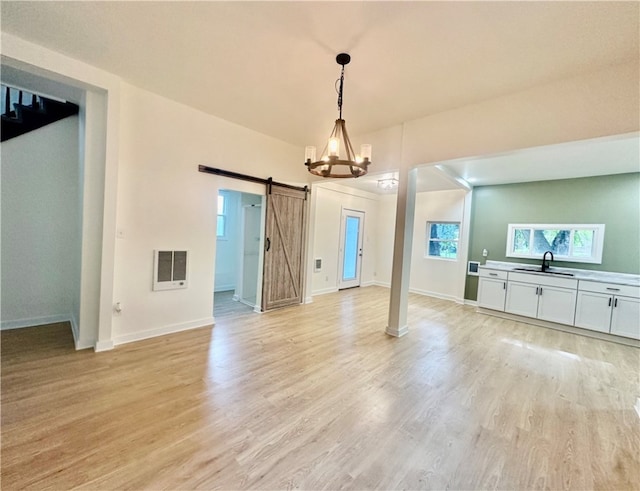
(330, 164)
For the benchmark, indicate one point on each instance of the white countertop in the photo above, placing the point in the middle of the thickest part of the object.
(578, 274)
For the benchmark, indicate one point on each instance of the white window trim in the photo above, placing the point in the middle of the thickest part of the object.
(598, 240)
(428, 239)
(222, 213)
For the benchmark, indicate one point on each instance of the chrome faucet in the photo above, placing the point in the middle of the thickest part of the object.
(546, 265)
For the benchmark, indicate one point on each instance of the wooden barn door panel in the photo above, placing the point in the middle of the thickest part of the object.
(284, 248)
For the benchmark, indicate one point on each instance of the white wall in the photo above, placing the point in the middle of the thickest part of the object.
(443, 278)
(329, 199)
(163, 201)
(385, 230)
(40, 225)
(99, 155)
(429, 276)
(599, 103)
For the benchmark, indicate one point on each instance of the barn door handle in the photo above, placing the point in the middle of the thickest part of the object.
(268, 245)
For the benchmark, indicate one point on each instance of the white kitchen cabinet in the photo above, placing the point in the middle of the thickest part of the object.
(625, 319)
(547, 298)
(608, 307)
(593, 311)
(557, 304)
(522, 299)
(492, 288)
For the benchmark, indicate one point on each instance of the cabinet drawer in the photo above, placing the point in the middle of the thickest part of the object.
(496, 274)
(544, 279)
(609, 288)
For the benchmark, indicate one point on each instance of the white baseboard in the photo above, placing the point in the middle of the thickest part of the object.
(473, 303)
(75, 330)
(236, 298)
(308, 300)
(34, 321)
(367, 283)
(637, 406)
(104, 346)
(441, 296)
(161, 331)
(224, 288)
(257, 309)
(248, 304)
(382, 283)
(324, 291)
(561, 327)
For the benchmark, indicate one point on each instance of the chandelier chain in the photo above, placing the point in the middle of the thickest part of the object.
(340, 91)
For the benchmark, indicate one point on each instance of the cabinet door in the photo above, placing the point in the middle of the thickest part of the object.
(491, 294)
(593, 311)
(522, 299)
(557, 304)
(625, 320)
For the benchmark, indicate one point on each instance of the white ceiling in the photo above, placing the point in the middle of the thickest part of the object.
(270, 66)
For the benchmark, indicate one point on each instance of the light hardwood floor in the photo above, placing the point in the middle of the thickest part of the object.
(225, 306)
(318, 397)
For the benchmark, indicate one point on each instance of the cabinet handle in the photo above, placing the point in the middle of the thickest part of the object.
(615, 304)
(613, 289)
(537, 288)
(504, 285)
(493, 274)
(540, 291)
(609, 301)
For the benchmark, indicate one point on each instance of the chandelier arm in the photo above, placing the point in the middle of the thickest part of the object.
(347, 142)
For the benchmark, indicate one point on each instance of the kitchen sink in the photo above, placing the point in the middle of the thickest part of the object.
(537, 270)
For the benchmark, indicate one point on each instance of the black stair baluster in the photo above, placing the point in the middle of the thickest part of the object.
(20, 98)
(7, 99)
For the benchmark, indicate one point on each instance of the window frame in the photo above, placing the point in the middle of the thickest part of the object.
(222, 214)
(428, 239)
(596, 251)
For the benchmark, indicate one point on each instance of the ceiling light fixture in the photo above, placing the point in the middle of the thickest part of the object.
(331, 165)
(387, 184)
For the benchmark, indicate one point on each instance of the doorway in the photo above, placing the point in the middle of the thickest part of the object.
(350, 253)
(238, 260)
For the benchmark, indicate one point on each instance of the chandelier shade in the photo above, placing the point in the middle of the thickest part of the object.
(338, 159)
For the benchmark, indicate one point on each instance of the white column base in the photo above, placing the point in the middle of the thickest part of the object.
(103, 346)
(397, 332)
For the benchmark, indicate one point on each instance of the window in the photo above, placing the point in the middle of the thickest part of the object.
(575, 243)
(221, 227)
(442, 239)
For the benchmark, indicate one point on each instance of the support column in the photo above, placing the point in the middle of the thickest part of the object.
(405, 213)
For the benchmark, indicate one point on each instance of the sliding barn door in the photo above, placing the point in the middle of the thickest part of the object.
(284, 247)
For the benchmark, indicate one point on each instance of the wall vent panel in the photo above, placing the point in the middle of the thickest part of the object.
(170, 269)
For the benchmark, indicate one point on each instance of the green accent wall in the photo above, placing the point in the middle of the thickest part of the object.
(612, 200)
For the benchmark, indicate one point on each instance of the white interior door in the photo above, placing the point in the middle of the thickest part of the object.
(351, 231)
